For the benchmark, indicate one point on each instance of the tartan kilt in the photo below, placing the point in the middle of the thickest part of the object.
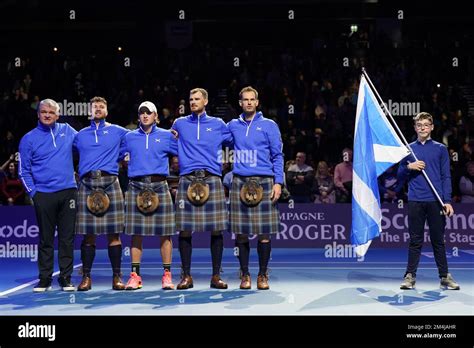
(113, 220)
(211, 216)
(159, 223)
(264, 218)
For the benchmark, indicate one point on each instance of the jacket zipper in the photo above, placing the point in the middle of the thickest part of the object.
(96, 128)
(52, 136)
(248, 126)
(198, 127)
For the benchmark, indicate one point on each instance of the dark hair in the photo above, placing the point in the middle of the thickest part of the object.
(9, 175)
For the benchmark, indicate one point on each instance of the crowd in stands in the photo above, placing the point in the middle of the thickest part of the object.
(306, 90)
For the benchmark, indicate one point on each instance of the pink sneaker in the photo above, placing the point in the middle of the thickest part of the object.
(166, 282)
(134, 283)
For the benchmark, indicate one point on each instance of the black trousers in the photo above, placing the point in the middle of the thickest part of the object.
(56, 209)
(418, 214)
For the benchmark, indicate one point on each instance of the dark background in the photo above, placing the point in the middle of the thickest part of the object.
(405, 58)
(296, 63)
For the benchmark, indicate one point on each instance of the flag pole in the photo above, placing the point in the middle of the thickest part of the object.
(387, 112)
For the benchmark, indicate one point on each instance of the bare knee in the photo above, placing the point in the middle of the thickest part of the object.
(114, 239)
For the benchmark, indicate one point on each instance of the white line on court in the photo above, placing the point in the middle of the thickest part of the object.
(25, 285)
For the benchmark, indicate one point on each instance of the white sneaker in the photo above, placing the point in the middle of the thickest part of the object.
(408, 282)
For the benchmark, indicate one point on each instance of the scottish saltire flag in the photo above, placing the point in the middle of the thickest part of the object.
(376, 148)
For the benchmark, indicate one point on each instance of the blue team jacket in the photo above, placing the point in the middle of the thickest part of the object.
(200, 142)
(99, 146)
(149, 152)
(257, 147)
(45, 163)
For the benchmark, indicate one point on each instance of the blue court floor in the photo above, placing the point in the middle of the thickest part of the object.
(302, 281)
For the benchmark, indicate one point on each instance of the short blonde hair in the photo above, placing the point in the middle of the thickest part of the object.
(202, 90)
(248, 89)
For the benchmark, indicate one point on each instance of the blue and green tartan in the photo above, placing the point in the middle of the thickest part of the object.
(211, 216)
(159, 223)
(113, 220)
(263, 218)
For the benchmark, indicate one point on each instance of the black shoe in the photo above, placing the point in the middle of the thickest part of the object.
(66, 284)
(43, 285)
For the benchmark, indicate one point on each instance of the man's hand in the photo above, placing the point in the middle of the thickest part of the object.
(391, 194)
(175, 133)
(448, 210)
(276, 193)
(417, 165)
(10, 201)
(300, 178)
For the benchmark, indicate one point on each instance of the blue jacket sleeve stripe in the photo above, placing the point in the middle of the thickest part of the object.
(24, 171)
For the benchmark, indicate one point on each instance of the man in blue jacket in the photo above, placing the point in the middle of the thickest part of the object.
(423, 205)
(200, 201)
(256, 185)
(47, 172)
(100, 208)
(149, 209)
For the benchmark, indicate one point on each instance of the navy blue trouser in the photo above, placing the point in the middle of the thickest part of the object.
(55, 209)
(418, 214)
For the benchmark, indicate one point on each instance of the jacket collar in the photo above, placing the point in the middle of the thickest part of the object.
(47, 128)
(194, 116)
(427, 141)
(101, 124)
(153, 129)
(258, 115)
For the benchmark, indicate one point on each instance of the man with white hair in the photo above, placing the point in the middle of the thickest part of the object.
(47, 172)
